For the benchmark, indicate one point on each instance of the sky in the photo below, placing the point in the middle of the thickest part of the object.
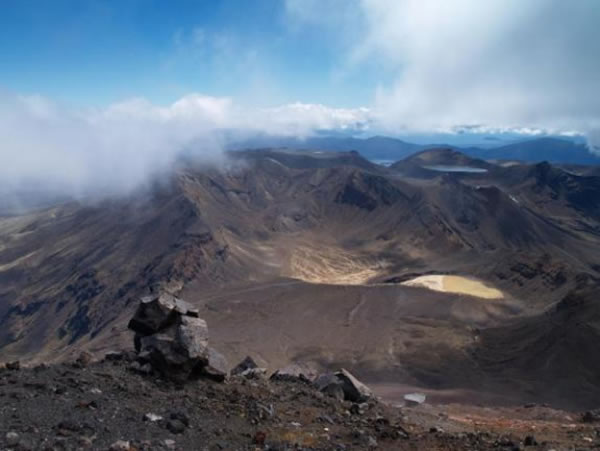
(106, 92)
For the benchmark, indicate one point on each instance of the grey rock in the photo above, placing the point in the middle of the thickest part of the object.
(12, 438)
(329, 384)
(181, 416)
(294, 372)
(192, 337)
(14, 366)
(530, 441)
(176, 426)
(84, 359)
(152, 417)
(182, 348)
(254, 373)
(247, 364)
(414, 399)
(85, 442)
(114, 356)
(120, 445)
(157, 312)
(343, 385)
(216, 369)
(354, 390)
(138, 367)
(591, 416)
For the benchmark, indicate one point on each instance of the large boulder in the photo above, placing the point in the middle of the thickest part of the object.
(294, 372)
(354, 390)
(192, 337)
(329, 384)
(247, 364)
(216, 368)
(173, 339)
(343, 385)
(182, 348)
(158, 312)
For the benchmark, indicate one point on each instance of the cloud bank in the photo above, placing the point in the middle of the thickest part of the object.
(122, 146)
(494, 64)
(500, 63)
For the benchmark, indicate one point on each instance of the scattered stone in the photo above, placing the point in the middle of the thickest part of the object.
(325, 419)
(152, 417)
(530, 441)
(96, 391)
(294, 372)
(66, 427)
(120, 445)
(180, 416)
(60, 390)
(342, 385)
(216, 369)
(329, 384)
(169, 443)
(176, 426)
(84, 359)
(114, 356)
(354, 390)
(414, 399)
(137, 367)
(358, 409)
(12, 438)
(591, 416)
(247, 364)
(254, 373)
(260, 411)
(14, 366)
(85, 442)
(371, 442)
(504, 442)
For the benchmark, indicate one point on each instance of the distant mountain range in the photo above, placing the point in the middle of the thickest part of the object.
(554, 150)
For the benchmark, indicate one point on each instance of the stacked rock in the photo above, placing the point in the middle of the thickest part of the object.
(173, 339)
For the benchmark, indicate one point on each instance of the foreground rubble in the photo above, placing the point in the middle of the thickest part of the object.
(105, 405)
(175, 392)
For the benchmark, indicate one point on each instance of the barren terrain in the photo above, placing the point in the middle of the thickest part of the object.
(303, 256)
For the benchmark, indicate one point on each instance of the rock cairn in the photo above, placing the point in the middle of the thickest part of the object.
(172, 339)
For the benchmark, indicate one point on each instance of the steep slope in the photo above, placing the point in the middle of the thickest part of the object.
(67, 272)
(296, 255)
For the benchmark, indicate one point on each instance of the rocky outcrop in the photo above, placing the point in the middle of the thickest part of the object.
(343, 385)
(216, 367)
(247, 364)
(295, 372)
(173, 339)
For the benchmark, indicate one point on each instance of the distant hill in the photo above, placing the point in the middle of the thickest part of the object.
(374, 148)
(554, 150)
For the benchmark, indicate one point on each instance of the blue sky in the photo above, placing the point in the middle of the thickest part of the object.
(98, 52)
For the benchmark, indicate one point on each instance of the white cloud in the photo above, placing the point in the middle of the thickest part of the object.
(119, 148)
(499, 63)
